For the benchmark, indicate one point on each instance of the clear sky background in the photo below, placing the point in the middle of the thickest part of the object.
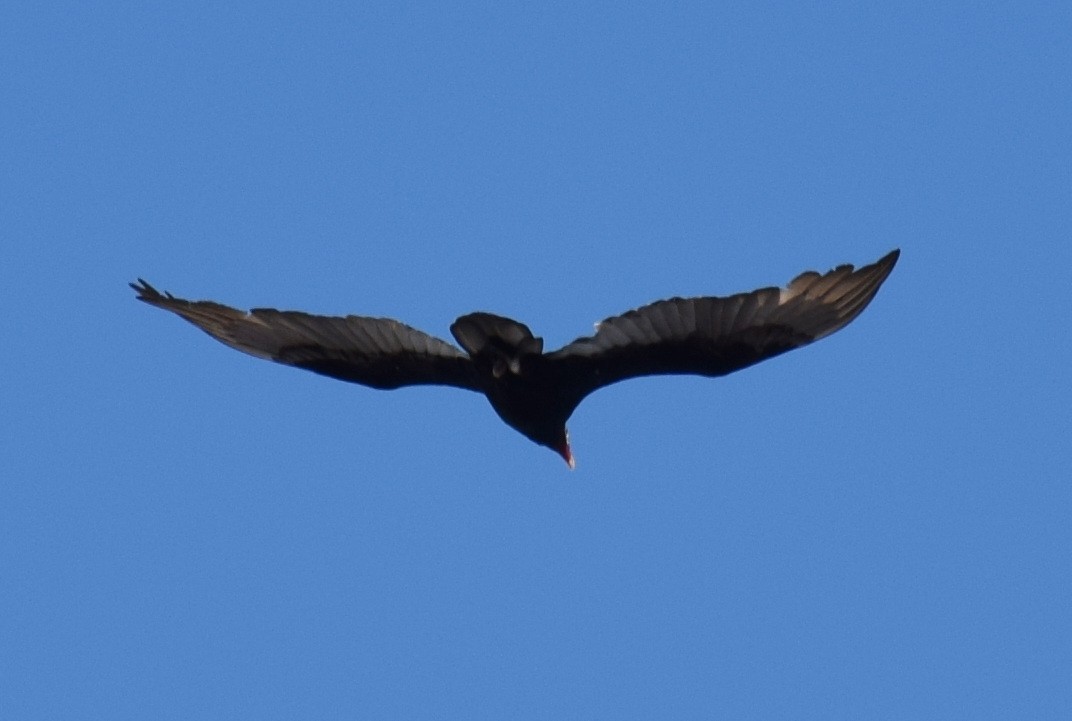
(874, 527)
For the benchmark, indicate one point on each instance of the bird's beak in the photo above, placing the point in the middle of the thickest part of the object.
(564, 451)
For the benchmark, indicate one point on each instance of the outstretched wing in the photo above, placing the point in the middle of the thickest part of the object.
(376, 352)
(715, 336)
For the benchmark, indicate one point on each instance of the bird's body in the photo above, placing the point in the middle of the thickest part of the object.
(536, 392)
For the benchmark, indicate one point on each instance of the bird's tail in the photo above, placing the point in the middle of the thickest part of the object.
(499, 342)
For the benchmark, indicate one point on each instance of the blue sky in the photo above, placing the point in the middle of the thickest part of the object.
(874, 527)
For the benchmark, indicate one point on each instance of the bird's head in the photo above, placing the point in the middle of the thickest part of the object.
(555, 437)
(563, 448)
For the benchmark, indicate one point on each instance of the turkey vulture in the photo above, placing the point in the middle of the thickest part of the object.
(536, 392)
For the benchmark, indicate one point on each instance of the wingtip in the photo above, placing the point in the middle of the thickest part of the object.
(886, 263)
(143, 289)
(148, 293)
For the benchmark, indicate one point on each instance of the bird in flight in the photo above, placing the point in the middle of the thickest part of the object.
(536, 392)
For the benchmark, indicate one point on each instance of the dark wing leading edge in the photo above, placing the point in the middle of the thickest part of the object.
(715, 336)
(376, 352)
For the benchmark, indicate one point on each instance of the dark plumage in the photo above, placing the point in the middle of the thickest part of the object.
(536, 392)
